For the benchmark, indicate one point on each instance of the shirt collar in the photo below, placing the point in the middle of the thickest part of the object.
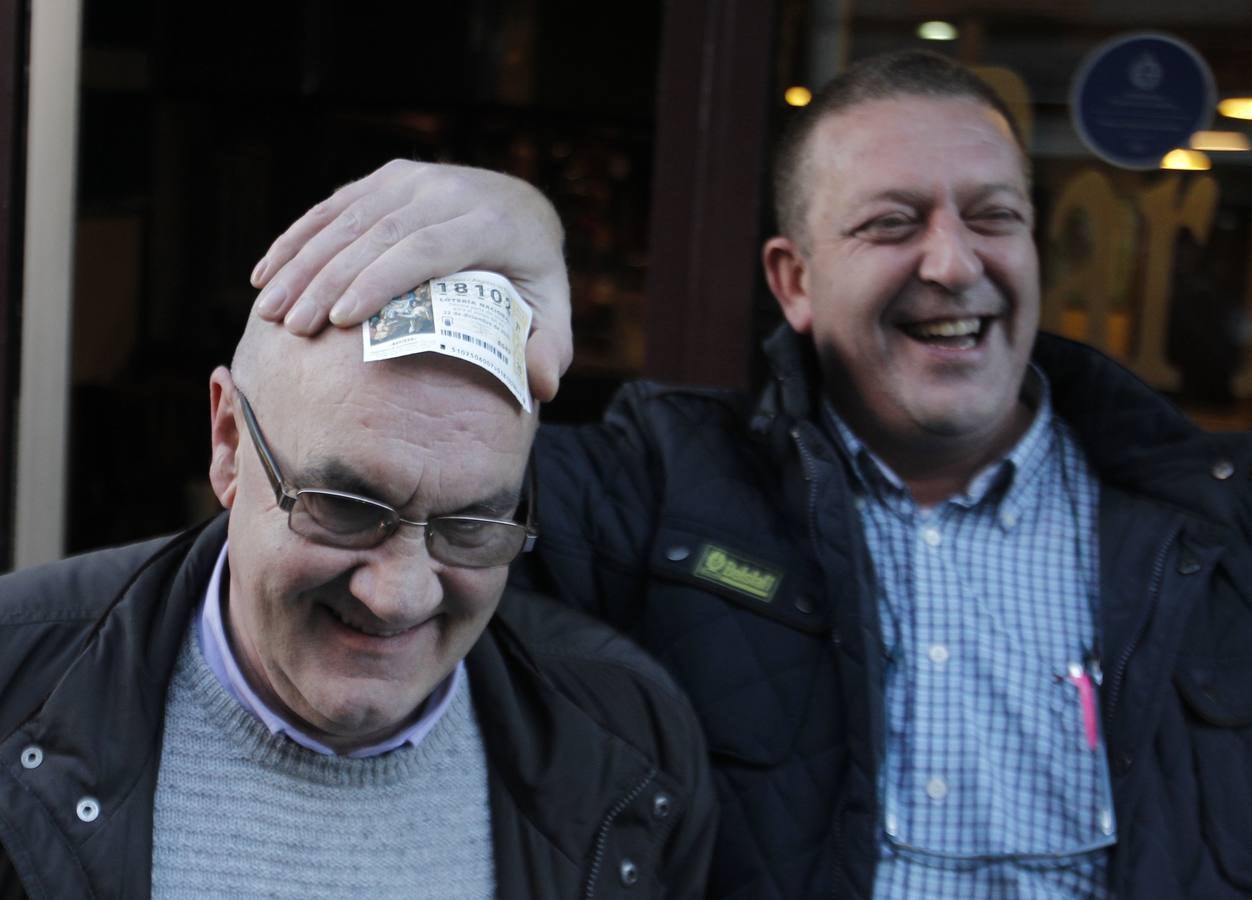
(1006, 477)
(211, 633)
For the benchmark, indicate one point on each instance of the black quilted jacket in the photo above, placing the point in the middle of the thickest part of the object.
(719, 534)
(595, 767)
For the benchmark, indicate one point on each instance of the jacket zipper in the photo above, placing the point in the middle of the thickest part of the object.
(602, 837)
(810, 477)
(1119, 671)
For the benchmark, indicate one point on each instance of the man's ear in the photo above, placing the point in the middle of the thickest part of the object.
(224, 463)
(786, 271)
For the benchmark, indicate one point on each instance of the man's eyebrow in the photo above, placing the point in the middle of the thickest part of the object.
(496, 505)
(335, 475)
(1003, 187)
(898, 195)
(922, 199)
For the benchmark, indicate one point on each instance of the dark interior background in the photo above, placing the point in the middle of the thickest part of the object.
(206, 129)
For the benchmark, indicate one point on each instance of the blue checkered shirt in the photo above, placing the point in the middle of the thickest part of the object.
(991, 786)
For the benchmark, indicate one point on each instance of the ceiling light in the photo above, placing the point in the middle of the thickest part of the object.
(1189, 160)
(1219, 140)
(936, 31)
(798, 96)
(1236, 107)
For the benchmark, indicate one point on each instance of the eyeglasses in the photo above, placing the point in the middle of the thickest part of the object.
(339, 519)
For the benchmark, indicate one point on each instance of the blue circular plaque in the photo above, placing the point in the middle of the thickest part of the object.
(1139, 96)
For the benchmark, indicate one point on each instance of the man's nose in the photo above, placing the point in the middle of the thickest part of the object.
(949, 259)
(399, 581)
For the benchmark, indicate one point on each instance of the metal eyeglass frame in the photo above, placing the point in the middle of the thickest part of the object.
(286, 496)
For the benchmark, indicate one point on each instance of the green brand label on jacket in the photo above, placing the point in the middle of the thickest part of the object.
(719, 565)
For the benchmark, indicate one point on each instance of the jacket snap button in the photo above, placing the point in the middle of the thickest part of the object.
(804, 605)
(88, 809)
(1223, 469)
(1122, 762)
(32, 757)
(660, 806)
(629, 872)
(677, 554)
(1188, 565)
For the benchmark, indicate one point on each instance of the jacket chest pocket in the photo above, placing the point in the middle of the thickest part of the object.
(1214, 680)
(1220, 699)
(742, 636)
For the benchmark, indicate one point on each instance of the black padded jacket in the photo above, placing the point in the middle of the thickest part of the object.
(596, 769)
(719, 533)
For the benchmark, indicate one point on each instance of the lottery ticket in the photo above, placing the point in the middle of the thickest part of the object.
(475, 316)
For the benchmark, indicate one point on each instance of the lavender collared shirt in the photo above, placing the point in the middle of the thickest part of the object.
(211, 633)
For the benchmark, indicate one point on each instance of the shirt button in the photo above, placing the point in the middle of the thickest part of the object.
(938, 654)
(1106, 822)
(930, 534)
(1008, 519)
(891, 824)
(936, 788)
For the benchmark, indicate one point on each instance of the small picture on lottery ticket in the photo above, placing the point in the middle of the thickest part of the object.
(475, 316)
(405, 315)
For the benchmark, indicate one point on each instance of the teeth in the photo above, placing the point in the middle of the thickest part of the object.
(372, 632)
(947, 328)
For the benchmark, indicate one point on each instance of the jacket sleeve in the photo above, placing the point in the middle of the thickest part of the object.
(10, 887)
(597, 504)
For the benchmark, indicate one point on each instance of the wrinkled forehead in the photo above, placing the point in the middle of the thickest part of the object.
(917, 136)
(323, 389)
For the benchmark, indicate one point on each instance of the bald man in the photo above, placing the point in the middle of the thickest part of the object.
(327, 690)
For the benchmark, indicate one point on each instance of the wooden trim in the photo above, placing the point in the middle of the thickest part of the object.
(707, 188)
(39, 486)
(12, 64)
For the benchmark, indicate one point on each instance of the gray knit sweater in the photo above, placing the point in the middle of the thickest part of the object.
(240, 812)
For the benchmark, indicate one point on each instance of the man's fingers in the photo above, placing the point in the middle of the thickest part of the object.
(366, 274)
(287, 244)
(550, 349)
(366, 230)
(371, 214)
(548, 355)
(407, 248)
(384, 184)
(439, 249)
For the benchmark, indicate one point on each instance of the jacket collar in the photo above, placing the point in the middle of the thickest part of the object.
(794, 389)
(1135, 438)
(1138, 441)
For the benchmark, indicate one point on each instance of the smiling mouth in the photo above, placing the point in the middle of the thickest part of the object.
(951, 334)
(372, 629)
